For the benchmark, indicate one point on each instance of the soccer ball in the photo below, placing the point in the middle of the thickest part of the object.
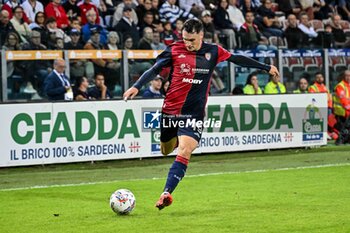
(122, 201)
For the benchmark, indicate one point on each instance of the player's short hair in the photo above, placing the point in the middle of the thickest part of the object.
(193, 26)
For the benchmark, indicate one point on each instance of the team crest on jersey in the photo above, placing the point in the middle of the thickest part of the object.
(207, 56)
(185, 69)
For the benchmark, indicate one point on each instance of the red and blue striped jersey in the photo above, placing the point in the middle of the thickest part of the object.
(190, 77)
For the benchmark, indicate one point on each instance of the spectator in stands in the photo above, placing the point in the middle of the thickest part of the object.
(342, 108)
(57, 85)
(104, 8)
(126, 26)
(142, 8)
(195, 7)
(74, 23)
(107, 67)
(274, 86)
(156, 44)
(99, 91)
(178, 28)
(170, 12)
(91, 23)
(145, 44)
(54, 9)
(325, 39)
(254, 3)
(223, 23)
(147, 21)
(86, 6)
(296, 38)
(153, 91)
(208, 26)
(59, 45)
(252, 87)
(19, 25)
(307, 7)
(51, 26)
(113, 41)
(72, 9)
(289, 7)
(344, 9)
(168, 35)
(320, 10)
(39, 25)
(146, 40)
(35, 72)
(51, 41)
(165, 87)
(217, 85)
(235, 14)
(39, 22)
(136, 67)
(31, 8)
(80, 90)
(128, 43)
(119, 13)
(208, 38)
(269, 21)
(5, 26)
(251, 37)
(247, 6)
(320, 87)
(76, 67)
(303, 85)
(339, 35)
(306, 27)
(237, 91)
(10, 5)
(12, 43)
(155, 10)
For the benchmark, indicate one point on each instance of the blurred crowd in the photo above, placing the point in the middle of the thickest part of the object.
(154, 24)
(233, 23)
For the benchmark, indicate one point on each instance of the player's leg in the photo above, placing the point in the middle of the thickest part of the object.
(177, 171)
(169, 146)
(168, 135)
(188, 142)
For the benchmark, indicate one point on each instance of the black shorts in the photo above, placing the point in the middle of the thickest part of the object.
(172, 126)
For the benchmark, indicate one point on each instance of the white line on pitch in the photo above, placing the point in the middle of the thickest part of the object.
(188, 176)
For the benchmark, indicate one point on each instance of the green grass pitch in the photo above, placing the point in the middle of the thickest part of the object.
(277, 191)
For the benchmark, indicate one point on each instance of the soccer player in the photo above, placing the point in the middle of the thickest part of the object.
(192, 62)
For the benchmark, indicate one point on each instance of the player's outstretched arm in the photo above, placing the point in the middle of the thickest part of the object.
(251, 63)
(145, 78)
(163, 60)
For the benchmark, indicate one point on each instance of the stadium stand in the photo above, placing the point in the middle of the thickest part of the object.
(74, 15)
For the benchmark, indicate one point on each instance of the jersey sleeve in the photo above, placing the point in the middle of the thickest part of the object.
(223, 54)
(163, 60)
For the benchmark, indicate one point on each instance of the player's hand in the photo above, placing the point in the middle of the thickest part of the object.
(130, 93)
(273, 71)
